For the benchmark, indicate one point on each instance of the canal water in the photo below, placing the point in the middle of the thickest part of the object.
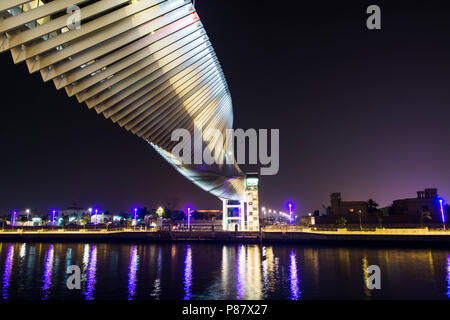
(219, 271)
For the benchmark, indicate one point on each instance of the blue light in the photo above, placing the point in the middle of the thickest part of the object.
(290, 205)
(14, 218)
(53, 217)
(189, 216)
(188, 273)
(441, 202)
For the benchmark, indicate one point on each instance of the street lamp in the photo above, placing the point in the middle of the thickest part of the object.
(441, 202)
(28, 213)
(96, 212)
(290, 212)
(53, 218)
(189, 218)
(135, 218)
(360, 222)
(13, 222)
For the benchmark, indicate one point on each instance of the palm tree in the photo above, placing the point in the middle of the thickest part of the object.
(379, 215)
(341, 222)
(84, 219)
(23, 220)
(65, 220)
(371, 206)
(4, 219)
(424, 214)
(44, 219)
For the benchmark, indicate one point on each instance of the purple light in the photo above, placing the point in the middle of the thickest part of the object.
(189, 216)
(188, 273)
(293, 277)
(47, 281)
(7, 271)
(132, 269)
(448, 275)
(92, 268)
(53, 218)
(441, 202)
(96, 212)
(13, 222)
(290, 212)
(442, 210)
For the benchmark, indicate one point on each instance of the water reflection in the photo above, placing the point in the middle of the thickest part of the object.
(188, 273)
(23, 250)
(47, 278)
(448, 275)
(248, 268)
(85, 258)
(91, 270)
(240, 268)
(224, 269)
(293, 277)
(132, 269)
(268, 269)
(7, 271)
(365, 265)
(149, 271)
(68, 263)
(156, 292)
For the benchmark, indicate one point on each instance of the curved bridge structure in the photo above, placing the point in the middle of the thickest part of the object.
(145, 64)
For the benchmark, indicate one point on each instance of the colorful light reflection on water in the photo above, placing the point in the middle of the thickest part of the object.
(91, 272)
(132, 270)
(293, 277)
(47, 277)
(216, 271)
(448, 275)
(7, 271)
(188, 273)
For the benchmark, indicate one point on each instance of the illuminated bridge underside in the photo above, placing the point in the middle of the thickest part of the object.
(147, 65)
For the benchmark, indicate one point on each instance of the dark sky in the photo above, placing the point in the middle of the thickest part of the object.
(362, 112)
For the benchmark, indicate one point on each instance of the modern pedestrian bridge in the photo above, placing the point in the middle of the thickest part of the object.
(147, 65)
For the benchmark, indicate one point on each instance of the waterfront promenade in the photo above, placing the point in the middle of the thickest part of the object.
(272, 235)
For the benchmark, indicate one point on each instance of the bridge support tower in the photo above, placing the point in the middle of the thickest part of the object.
(243, 215)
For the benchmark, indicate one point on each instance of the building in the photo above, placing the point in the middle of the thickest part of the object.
(340, 208)
(74, 213)
(207, 214)
(243, 214)
(251, 205)
(427, 200)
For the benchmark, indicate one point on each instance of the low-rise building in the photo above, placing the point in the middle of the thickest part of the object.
(340, 208)
(426, 201)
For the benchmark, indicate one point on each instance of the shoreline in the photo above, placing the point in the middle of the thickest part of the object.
(432, 239)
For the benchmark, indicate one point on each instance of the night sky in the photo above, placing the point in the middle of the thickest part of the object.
(361, 112)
